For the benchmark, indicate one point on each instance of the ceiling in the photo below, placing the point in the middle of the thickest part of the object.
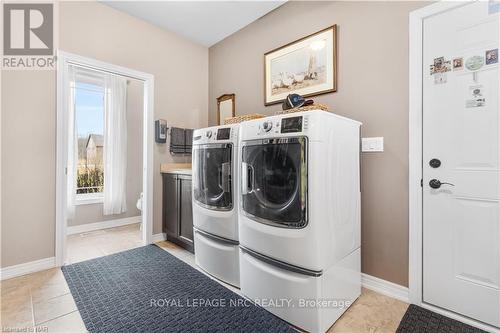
(204, 22)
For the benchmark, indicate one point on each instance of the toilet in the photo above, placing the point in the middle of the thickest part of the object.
(139, 203)
(139, 206)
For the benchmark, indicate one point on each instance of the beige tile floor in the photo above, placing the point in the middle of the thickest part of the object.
(42, 300)
(93, 244)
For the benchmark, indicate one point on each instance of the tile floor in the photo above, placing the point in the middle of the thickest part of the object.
(42, 300)
(93, 244)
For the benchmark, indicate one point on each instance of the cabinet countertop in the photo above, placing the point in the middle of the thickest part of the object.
(177, 168)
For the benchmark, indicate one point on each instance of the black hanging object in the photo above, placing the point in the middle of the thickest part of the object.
(292, 101)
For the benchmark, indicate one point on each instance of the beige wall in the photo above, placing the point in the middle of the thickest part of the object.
(372, 88)
(92, 213)
(373, 84)
(28, 166)
(28, 124)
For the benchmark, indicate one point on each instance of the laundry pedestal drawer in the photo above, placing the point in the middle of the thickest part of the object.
(312, 303)
(217, 256)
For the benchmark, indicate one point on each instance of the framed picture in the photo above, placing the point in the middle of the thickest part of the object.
(307, 67)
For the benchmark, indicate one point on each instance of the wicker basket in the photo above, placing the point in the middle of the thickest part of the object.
(242, 118)
(315, 106)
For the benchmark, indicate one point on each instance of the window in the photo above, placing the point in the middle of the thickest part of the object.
(89, 121)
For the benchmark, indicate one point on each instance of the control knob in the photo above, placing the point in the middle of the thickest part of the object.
(209, 134)
(267, 125)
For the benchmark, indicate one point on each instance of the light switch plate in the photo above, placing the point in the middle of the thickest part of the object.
(372, 145)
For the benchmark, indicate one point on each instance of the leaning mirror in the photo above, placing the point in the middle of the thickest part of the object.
(225, 108)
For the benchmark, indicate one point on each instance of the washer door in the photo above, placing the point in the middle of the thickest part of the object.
(274, 181)
(212, 176)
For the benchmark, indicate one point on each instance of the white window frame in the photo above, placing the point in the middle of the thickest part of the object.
(90, 198)
(64, 60)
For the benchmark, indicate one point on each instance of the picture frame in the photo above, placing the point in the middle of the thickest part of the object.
(225, 107)
(307, 66)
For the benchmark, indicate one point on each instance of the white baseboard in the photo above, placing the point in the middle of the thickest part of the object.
(385, 287)
(28, 267)
(77, 229)
(159, 237)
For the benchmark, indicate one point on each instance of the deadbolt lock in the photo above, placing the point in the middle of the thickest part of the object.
(435, 163)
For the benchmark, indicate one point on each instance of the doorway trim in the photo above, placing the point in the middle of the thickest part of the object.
(415, 271)
(64, 59)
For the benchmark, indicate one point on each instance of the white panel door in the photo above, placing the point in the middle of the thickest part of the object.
(461, 226)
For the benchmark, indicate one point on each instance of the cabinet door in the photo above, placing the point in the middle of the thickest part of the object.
(170, 205)
(186, 209)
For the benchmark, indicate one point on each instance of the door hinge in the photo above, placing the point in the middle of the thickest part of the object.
(421, 183)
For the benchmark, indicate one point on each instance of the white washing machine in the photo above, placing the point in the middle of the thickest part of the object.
(215, 201)
(299, 224)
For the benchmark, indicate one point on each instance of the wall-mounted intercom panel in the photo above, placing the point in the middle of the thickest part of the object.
(161, 131)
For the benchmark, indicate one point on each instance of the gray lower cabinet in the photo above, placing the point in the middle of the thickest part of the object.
(178, 210)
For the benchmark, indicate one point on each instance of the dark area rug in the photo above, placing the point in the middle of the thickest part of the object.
(420, 320)
(149, 290)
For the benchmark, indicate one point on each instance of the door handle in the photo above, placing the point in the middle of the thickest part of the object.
(226, 177)
(250, 175)
(244, 178)
(435, 183)
(247, 178)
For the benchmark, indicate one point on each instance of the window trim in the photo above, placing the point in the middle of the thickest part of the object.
(89, 198)
(66, 59)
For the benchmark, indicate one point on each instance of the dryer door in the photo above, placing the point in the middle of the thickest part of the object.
(212, 184)
(274, 181)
